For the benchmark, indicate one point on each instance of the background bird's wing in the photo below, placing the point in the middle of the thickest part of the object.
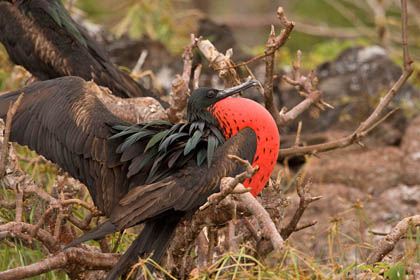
(63, 120)
(41, 36)
(188, 188)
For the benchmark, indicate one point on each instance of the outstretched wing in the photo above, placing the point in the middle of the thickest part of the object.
(41, 36)
(186, 189)
(63, 120)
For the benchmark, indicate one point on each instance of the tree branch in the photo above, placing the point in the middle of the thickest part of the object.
(65, 259)
(387, 243)
(305, 199)
(273, 44)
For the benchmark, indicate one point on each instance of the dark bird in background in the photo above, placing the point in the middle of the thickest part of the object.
(155, 173)
(41, 36)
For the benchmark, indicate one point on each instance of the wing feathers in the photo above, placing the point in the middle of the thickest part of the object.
(63, 120)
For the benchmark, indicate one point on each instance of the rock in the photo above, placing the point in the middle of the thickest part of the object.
(394, 204)
(353, 84)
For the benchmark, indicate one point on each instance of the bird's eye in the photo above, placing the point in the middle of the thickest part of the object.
(211, 94)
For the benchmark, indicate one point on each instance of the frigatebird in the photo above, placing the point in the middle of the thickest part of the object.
(155, 173)
(41, 36)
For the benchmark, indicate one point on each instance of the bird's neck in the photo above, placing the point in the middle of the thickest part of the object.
(234, 114)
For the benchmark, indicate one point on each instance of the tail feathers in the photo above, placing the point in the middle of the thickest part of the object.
(153, 240)
(97, 233)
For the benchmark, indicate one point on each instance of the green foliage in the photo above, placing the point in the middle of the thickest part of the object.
(323, 11)
(391, 272)
(396, 272)
(5, 68)
(158, 20)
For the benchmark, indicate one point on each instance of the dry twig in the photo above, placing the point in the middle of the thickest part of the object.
(305, 199)
(180, 90)
(273, 44)
(5, 148)
(221, 63)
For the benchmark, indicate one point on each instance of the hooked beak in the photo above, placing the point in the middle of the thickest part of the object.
(231, 91)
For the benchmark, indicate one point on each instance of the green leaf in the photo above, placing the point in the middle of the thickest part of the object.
(397, 272)
(192, 142)
(295, 264)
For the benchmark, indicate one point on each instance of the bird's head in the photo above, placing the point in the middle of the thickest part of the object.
(203, 98)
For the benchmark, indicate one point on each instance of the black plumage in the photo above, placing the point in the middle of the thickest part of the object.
(41, 36)
(152, 173)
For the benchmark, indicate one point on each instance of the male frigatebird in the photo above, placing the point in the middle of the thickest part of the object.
(41, 36)
(155, 173)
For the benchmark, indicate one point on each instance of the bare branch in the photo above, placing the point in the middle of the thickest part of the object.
(180, 90)
(197, 73)
(388, 243)
(305, 199)
(263, 218)
(72, 256)
(91, 208)
(42, 235)
(19, 202)
(220, 62)
(273, 44)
